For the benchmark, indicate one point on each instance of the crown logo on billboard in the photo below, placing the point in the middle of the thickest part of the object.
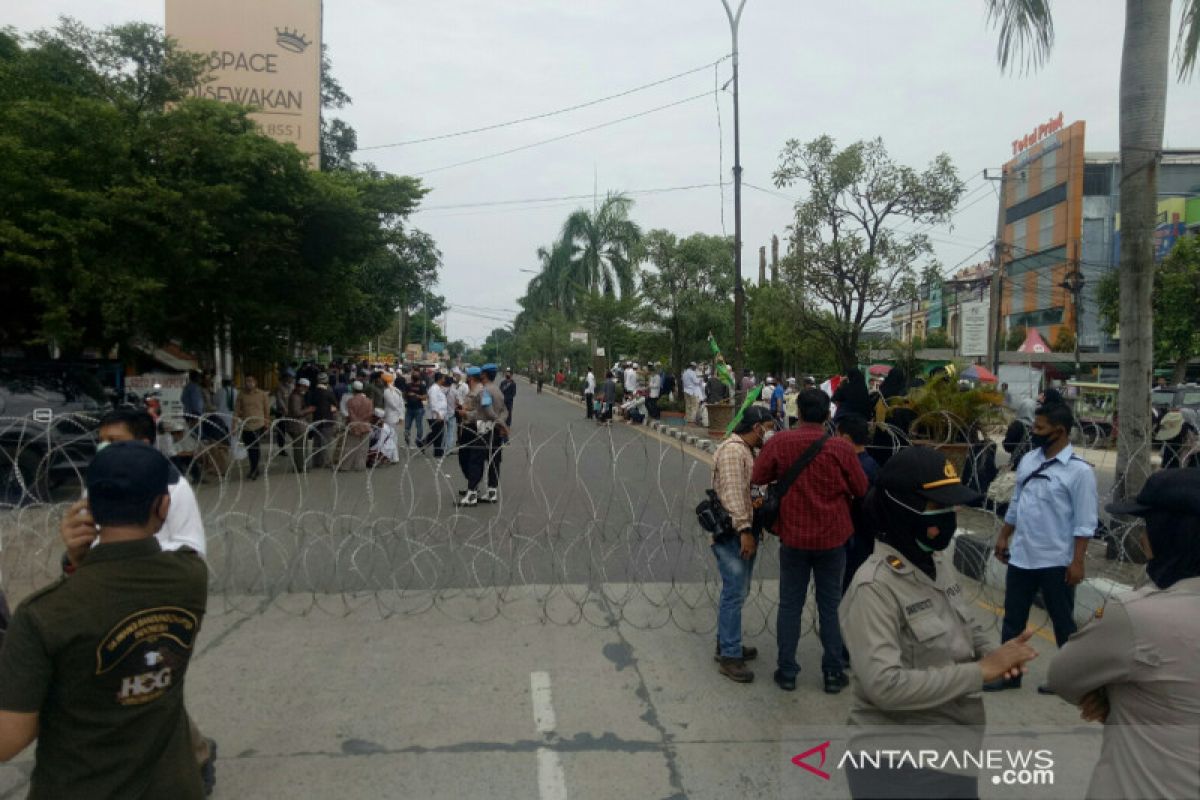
(291, 39)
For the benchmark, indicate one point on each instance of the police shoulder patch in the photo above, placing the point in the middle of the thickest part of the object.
(895, 563)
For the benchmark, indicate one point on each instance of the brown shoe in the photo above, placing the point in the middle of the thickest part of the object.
(735, 669)
(749, 653)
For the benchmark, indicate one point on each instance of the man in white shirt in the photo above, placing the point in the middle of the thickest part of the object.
(439, 409)
(589, 393)
(693, 393)
(631, 379)
(183, 527)
(654, 391)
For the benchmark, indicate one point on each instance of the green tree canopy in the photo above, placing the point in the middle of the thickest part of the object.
(848, 260)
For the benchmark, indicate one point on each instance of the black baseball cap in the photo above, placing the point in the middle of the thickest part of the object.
(124, 480)
(753, 416)
(1176, 490)
(928, 473)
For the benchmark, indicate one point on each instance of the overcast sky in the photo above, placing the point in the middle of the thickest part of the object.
(922, 74)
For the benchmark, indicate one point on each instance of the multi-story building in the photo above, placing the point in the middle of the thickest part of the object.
(938, 304)
(1060, 229)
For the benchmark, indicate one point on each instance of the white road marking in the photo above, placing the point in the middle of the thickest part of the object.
(543, 705)
(552, 784)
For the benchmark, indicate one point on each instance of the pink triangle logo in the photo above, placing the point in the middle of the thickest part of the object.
(800, 762)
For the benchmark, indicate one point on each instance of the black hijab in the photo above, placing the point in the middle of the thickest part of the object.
(894, 385)
(1174, 547)
(852, 396)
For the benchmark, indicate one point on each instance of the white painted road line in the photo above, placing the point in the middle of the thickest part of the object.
(552, 784)
(543, 705)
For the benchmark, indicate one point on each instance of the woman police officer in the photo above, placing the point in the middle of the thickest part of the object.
(918, 657)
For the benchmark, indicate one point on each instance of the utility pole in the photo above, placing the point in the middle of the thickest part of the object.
(739, 293)
(1073, 283)
(998, 253)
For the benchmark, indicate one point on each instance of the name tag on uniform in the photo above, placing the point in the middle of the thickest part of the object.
(918, 607)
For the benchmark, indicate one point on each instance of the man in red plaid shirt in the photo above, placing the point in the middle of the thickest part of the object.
(814, 524)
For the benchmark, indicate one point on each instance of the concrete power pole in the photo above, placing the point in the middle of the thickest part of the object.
(774, 259)
(762, 265)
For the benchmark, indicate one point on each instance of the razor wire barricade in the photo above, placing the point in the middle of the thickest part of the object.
(594, 524)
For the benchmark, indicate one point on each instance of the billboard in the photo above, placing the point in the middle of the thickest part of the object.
(975, 320)
(265, 54)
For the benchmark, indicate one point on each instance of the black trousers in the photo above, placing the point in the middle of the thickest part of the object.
(471, 455)
(435, 437)
(493, 455)
(1020, 587)
(509, 402)
(588, 403)
(652, 407)
(252, 440)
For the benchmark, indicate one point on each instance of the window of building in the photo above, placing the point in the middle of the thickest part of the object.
(1024, 262)
(1097, 180)
(1035, 319)
(1020, 231)
(1051, 197)
(1050, 170)
(1016, 294)
(1045, 222)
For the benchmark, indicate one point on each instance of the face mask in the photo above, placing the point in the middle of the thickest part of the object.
(1042, 440)
(945, 520)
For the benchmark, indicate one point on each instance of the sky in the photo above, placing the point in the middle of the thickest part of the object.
(921, 74)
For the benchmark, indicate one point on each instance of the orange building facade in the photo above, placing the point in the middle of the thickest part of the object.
(1042, 220)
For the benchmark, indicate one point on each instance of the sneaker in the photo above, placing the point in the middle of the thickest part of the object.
(735, 669)
(835, 682)
(492, 495)
(1000, 684)
(749, 653)
(468, 499)
(208, 770)
(784, 682)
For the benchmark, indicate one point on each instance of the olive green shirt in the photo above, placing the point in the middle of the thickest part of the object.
(101, 657)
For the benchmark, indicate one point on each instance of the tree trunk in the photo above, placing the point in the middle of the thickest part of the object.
(1144, 64)
(1181, 366)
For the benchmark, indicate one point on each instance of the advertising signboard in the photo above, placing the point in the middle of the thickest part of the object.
(974, 323)
(265, 54)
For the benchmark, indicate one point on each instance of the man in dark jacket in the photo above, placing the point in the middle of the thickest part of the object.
(508, 388)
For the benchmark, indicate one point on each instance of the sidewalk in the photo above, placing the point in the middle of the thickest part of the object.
(426, 706)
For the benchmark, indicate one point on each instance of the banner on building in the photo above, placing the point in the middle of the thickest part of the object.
(265, 54)
(975, 327)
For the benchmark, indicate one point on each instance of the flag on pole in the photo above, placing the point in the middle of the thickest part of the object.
(723, 373)
(752, 397)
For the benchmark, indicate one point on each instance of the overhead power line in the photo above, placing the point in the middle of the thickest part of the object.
(556, 112)
(589, 129)
(588, 196)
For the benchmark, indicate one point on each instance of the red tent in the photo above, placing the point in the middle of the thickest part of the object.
(1034, 343)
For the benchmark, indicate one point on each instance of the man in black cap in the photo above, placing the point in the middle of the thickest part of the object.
(1135, 667)
(93, 666)
(920, 658)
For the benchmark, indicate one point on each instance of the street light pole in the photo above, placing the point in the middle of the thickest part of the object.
(739, 293)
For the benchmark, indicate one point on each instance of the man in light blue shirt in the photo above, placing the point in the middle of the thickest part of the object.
(1050, 520)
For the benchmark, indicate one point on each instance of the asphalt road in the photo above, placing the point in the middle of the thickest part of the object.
(580, 504)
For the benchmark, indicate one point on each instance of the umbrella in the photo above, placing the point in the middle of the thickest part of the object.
(879, 370)
(979, 373)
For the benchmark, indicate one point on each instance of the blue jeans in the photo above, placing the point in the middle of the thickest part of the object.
(451, 433)
(414, 416)
(795, 567)
(736, 573)
(1020, 586)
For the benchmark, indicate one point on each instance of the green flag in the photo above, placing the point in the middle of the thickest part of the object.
(723, 373)
(751, 398)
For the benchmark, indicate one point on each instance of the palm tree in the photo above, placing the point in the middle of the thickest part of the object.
(604, 245)
(1026, 29)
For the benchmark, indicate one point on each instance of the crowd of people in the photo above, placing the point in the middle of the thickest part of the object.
(344, 416)
(874, 542)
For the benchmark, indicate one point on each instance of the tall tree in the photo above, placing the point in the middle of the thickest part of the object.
(1026, 30)
(1176, 304)
(604, 247)
(847, 258)
(689, 290)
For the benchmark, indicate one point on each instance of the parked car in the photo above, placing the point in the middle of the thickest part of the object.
(48, 419)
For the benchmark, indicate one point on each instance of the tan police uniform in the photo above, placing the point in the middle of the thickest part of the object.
(1143, 648)
(913, 645)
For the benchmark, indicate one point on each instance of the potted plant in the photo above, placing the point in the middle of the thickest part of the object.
(953, 418)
